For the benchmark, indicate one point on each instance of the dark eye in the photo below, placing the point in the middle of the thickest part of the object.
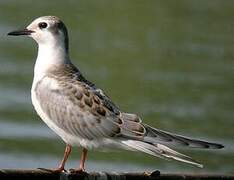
(42, 25)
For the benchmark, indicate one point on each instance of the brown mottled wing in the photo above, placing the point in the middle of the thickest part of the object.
(76, 108)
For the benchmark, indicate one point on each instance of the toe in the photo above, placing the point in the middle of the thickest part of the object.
(78, 171)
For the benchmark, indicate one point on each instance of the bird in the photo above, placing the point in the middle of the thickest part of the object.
(81, 113)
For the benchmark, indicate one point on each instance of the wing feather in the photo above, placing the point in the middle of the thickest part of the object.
(72, 108)
(154, 135)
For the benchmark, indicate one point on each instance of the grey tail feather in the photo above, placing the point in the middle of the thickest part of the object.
(159, 136)
(159, 150)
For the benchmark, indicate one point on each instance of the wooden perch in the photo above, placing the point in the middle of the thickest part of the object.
(6, 174)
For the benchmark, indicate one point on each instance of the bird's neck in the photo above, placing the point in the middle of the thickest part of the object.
(49, 56)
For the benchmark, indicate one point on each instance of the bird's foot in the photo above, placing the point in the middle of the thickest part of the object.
(56, 170)
(78, 171)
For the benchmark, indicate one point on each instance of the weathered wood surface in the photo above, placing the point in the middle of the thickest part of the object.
(6, 174)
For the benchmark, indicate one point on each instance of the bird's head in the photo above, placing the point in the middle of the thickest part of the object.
(46, 30)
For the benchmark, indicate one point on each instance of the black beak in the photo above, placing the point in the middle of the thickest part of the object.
(21, 32)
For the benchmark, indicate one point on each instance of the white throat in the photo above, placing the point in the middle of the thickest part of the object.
(49, 55)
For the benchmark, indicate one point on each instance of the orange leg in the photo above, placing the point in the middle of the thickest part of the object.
(81, 168)
(62, 164)
(82, 159)
(65, 157)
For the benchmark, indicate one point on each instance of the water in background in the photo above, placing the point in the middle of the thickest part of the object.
(170, 62)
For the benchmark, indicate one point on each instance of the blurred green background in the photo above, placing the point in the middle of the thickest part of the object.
(171, 62)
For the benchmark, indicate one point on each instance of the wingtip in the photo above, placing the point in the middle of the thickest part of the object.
(217, 146)
(220, 146)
